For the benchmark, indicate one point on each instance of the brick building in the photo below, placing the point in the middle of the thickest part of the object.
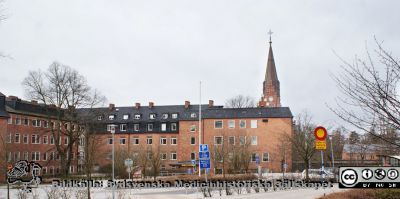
(170, 133)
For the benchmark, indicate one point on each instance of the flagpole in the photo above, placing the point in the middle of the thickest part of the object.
(199, 128)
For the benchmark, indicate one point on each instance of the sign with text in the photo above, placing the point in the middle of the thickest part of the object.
(204, 155)
(320, 145)
(203, 147)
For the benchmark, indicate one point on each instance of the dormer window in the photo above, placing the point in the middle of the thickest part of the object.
(193, 115)
(165, 116)
(111, 117)
(137, 116)
(152, 116)
(100, 117)
(125, 117)
(174, 115)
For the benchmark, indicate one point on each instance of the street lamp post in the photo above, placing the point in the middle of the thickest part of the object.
(113, 141)
(333, 158)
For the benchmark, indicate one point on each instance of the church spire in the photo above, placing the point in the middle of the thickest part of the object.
(271, 90)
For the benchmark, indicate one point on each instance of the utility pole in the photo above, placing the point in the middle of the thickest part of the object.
(333, 158)
(200, 129)
(113, 142)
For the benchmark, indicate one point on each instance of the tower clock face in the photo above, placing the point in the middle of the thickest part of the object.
(270, 98)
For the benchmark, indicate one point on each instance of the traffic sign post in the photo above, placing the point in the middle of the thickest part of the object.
(129, 163)
(320, 134)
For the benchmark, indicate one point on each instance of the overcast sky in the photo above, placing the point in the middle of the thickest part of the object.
(141, 51)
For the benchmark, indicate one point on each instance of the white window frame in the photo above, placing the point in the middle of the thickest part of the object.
(163, 126)
(264, 157)
(35, 139)
(255, 157)
(137, 116)
(134, 141)
(192, 128)
(234, 140)
(193, 115)
(240, 140)
(17, 135)
(111, 117)
(152, 116)
(27, 139)
(163, 156)
(162, 140)
(174, 156)
(110, 140)
(165, 116)
(215, 140)
(136, 127)
(254, 140)
(149, 140)
(176, 141)
(240, 124)
(217, 121)
(191, 140)
(121, 127)
(150, 125)
(253, 124)
(122, 141)
(231, 124)
(35, 156)
(174, 115)
(174, 126)
(125, 117)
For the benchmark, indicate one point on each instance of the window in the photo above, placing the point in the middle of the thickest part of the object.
(35, 139)
(26, 155)
(174, 115)
(265, 157)
(173, 127)
(218, 140)
(192, 140)
(45, 139)
(242, 124)
(254, 157)
(242, 140)
(253, 124)
(193, 115)
(25, 139)
(163, 126)
(137, 116)
(173, 155)
(45, 124)
(26, 121)
(253, 140)
(109, 127)
(9, 138)
(163, 141)
(9, 120)
(81, 141)
(17, 138)
(149, 155)
(51, 140)
(136, 127)
(17, 156)
(110, 141)
(125, 117)
(193, 128)
(18, 121)
(52, 155)
(218, 124)
(122, 127)
(111, 117)
(149, 140)
(135, 140)
(152, 116)
(231, 140)
(174, 141)
(35, 156)
(36, 123)
(100, 117)
(122, 141)
(44, 156)
(66, 140)
(163, 156)
(165, 116)
(193, 156)
(149, 127)
(218, 171)
(231, 124)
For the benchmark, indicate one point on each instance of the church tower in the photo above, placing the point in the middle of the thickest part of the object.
(271, 91)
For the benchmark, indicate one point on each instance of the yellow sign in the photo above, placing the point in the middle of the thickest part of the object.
(320, 145)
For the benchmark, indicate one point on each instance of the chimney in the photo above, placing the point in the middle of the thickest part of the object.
(111, 106)
(137, 105)
(151, 104)
(187, 104)
(210, 103)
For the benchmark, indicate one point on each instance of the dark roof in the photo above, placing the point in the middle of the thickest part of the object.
(3, 112)
(216, 112)
(24, 107)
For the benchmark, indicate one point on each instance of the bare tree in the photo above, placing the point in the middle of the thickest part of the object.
(63, 91)
(370, 92)
(303, 139)
(240, 101)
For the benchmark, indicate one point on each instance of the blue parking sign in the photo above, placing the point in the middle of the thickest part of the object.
(205, 164)
(203, 147)
(204, 155)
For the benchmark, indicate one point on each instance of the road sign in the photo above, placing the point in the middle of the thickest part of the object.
(205, 164)
(320, 133)
(320, 145)
(128, 162)
(203, 147)
(204, 155)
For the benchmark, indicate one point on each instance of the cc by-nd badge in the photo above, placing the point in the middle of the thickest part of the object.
(349, 177)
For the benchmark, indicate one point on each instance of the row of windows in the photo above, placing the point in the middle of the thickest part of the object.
(138, 116)
(35, 139)
(39, 123)
(149, 141)
(162, 155)
(35, 156)
(219, 124)
(219, 140)
(265, 157)
(149, 127)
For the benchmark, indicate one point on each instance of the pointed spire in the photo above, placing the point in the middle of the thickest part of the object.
(270, 74)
